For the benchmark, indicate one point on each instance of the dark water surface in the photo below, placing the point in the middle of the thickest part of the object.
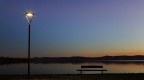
(69, 68)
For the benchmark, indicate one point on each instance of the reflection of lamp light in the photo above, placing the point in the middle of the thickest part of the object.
(29, 16)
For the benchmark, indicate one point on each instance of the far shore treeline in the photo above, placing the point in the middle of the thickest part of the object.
(75, 59)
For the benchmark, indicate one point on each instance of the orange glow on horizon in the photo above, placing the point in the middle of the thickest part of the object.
(119, 53)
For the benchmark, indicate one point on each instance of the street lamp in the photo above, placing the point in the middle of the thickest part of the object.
(29, 16)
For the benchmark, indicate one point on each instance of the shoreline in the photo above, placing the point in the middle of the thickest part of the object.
(107, 76)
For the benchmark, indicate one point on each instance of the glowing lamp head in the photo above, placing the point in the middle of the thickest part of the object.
(29, 16)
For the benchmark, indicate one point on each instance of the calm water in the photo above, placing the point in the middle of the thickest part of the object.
(69, 68)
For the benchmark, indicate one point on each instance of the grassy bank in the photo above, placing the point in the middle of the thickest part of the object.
(75, 77)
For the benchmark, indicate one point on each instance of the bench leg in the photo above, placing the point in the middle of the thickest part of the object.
(102, 72)
(81, 72)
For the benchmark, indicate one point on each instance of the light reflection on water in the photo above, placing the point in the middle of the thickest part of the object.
(68, 68)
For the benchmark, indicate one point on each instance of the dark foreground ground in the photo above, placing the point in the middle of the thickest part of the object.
(75, 77)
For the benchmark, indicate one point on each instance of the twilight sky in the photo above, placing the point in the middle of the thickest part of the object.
(72, 27)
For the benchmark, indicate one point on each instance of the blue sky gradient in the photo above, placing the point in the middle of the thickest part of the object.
(72, 27)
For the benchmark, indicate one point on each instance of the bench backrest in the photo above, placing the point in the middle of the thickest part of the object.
(91, 66)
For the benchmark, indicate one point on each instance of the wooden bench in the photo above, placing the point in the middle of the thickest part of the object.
(91, 68)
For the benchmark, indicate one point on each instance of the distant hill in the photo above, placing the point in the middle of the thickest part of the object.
(77, 59)
(136, 57)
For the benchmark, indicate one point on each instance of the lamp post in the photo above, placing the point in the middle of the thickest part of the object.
(29, 16)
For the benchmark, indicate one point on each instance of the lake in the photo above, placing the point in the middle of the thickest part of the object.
(69, 68)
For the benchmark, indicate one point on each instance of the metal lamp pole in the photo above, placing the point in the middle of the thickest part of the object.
(29, 16)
